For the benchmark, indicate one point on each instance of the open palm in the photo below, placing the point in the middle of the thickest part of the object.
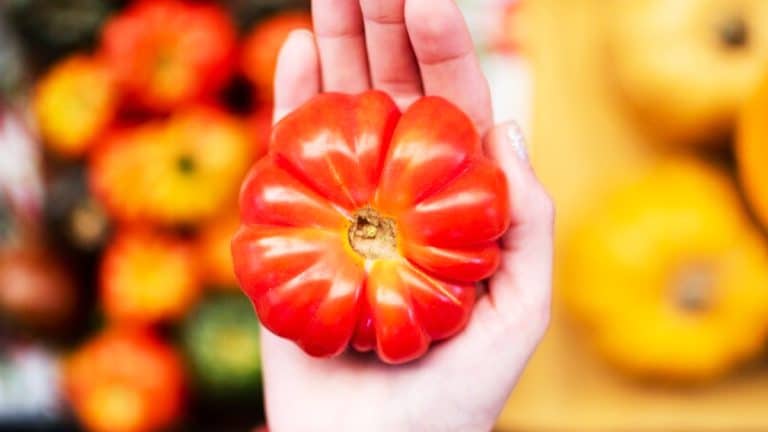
(409, 48)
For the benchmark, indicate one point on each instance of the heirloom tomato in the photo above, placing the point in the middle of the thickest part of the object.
(179, 170)
(147, 276)
(125, 380)
(169, 52)
(262, 46)
(73, 104)
(369, 228)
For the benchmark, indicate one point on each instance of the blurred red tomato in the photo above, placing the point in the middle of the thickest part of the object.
(180, 170)
(74, 102)
(169, 52)
(262, 46)
(36, 290)
(369, 228)
(260, 127)
(125, 380)
(148, 277)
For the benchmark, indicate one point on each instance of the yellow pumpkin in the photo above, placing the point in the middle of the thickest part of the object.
(686, 66)
(752, 152)
(669, 275)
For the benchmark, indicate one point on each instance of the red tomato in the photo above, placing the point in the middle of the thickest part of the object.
(169, 52)
(363, 226)
(262, 46)
(36, 289)
(125, 380)
(260, 127)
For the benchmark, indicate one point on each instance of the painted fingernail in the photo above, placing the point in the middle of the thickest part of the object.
(517, 141)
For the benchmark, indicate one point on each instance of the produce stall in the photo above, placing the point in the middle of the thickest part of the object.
(127, 129)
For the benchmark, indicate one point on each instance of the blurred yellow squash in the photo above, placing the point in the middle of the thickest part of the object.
(686, 66)
(669, 275)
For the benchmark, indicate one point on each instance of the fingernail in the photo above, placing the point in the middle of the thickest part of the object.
(517, 141)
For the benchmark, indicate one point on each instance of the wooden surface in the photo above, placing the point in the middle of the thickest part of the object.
(582, 139)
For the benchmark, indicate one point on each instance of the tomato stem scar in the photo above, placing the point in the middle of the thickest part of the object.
(693, 288)
(372, 235)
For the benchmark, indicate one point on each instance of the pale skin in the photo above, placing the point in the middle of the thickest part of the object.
(411, 48)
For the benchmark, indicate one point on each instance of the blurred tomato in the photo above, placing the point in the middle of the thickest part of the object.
(125, 380)
(37, 291)
(213, 242)
(260, 127)
(73, 103)
(168, 52)
(148, 277)
(181, 170)
(262, 46)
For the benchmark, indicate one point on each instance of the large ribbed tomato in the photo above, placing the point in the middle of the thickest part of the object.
(369, 228)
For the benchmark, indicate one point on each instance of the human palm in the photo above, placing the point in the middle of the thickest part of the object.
(409, 48)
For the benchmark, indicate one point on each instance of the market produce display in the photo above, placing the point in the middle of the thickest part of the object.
(149, 114)
(363, 228)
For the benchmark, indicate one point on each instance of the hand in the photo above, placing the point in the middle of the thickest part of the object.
(409, 48)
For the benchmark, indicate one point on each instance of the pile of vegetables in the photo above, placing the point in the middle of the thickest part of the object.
(150, 115)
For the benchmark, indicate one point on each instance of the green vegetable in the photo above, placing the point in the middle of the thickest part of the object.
(221, 340)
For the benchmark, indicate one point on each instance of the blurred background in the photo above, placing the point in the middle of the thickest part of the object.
(126, 128)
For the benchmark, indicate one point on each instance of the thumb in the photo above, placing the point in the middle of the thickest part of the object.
(523, 282)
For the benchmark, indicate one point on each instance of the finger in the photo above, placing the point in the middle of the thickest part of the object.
(525, 277)
(340, 36)
(392, 63)
(297, 77)
(446, 58)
